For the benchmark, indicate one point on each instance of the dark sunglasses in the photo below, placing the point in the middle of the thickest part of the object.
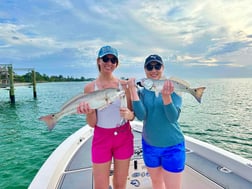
(106, 59)
(150, 67)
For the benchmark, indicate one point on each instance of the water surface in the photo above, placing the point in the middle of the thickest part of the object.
(223, 119)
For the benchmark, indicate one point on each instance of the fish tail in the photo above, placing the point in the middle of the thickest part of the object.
(197, 93)
(49, 120)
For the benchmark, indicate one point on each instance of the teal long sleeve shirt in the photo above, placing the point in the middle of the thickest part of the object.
(160, 122)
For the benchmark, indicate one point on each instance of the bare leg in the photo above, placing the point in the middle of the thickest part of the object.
(156, 177)
(162, 179)
(101, 175)
(172, 180)
(121, 171)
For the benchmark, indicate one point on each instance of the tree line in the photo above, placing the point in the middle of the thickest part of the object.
(45, 78)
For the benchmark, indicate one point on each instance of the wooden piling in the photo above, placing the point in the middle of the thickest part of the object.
(6, 71)
(34, 84)
(12, 90)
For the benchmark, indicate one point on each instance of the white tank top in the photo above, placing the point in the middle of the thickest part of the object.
(109, 117)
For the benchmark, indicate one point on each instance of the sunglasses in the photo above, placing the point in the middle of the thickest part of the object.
(150, 67)
(106, 59)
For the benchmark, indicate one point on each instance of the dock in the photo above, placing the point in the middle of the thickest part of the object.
(7, 80)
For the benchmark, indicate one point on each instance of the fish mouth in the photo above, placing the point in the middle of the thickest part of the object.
(146, 83)
(139, 83)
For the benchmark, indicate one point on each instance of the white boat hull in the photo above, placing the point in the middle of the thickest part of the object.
(207, 166)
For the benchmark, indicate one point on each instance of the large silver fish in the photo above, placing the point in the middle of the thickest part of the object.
(97, 100)
(179, 86)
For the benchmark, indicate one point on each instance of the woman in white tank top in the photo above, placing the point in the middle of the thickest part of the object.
(112, 138)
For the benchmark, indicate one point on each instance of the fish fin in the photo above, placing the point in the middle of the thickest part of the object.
(198, 92)
(123, 101)
(123, 105)
(179, 81)
(49, 120)
(123, 121)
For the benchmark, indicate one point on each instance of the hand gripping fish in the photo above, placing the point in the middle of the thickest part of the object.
(179, 86)
(97, 100)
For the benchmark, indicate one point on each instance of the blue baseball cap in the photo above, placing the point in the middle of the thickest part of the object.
(153, 58)
(107, 50)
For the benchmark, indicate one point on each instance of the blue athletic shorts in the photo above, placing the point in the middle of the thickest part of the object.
(171, 158)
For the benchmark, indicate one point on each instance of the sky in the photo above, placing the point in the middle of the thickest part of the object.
(196, 39)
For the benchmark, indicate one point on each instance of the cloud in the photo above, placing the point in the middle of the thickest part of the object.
(65, 35)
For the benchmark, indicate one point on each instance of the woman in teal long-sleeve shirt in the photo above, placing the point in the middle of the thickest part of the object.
(162, 139)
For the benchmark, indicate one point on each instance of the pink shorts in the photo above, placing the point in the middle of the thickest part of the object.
(116, 142)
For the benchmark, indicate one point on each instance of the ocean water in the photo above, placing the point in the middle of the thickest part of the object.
(223, 119)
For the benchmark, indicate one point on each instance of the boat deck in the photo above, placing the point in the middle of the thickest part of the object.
(78, 172)
(207, 166)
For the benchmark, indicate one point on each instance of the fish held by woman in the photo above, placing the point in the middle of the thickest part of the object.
(179, 86)
(97, 100)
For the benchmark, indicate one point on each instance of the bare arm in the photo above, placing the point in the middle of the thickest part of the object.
(127, 112)
(132, 88)
(139, 108)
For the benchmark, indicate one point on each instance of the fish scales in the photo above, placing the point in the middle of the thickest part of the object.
(180, 86)
(97, 100)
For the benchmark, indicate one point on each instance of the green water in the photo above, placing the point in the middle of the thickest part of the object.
(223, 119)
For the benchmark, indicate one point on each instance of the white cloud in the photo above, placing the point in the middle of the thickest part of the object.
(185, 33)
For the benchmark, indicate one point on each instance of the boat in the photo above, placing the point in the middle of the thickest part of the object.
(207, 166)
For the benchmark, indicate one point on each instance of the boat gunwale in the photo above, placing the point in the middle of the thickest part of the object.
(49, 174)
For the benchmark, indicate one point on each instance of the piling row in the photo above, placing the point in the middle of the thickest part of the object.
(6, 71)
